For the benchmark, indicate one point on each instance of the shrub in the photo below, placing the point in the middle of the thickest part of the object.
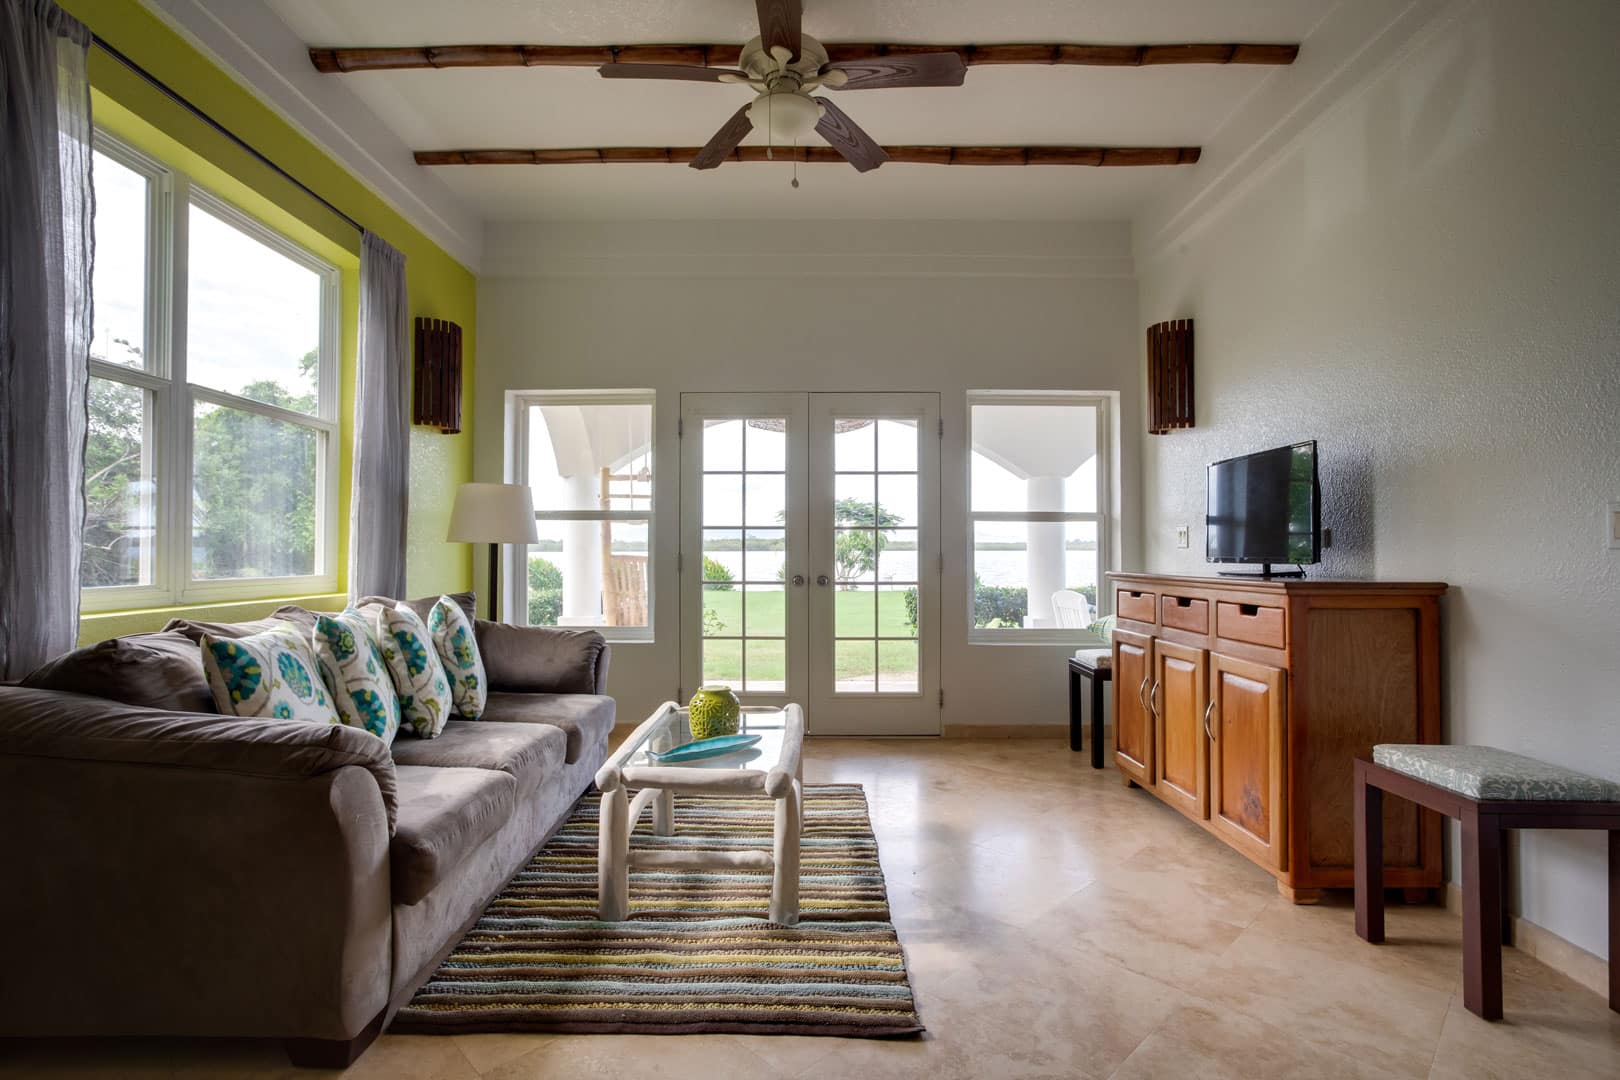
(999, 606)
(713, 624)
(545, 593)
(714, 570)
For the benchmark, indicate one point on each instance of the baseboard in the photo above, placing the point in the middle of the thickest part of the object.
(1564, 957)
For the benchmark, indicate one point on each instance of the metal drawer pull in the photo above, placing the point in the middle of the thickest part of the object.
(1207, 709)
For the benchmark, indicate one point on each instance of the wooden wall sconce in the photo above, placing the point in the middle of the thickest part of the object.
(1170, 376)
(437, 398)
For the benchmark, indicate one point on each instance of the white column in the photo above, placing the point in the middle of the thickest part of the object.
(1045, 552)
(582, 558)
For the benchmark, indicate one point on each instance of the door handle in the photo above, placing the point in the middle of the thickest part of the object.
(1153, 700)
(1207, 709)
(823, 579)
(798, 579)
(1141, 691)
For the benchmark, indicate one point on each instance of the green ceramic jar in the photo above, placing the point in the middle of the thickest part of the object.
(715, 711)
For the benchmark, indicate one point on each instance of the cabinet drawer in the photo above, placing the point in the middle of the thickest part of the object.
(1184, 613)
(1254, 623)
(1133, 604)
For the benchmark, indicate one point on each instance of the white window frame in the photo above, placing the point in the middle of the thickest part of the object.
(171, 194)
(1100, 517)
(514, 558)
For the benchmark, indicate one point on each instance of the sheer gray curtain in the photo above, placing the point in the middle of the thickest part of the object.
(382, 432)
(46, 243)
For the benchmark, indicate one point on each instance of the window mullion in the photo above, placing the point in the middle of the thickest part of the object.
(175, 423)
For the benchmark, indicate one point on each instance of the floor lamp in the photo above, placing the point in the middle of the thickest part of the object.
(493, 514)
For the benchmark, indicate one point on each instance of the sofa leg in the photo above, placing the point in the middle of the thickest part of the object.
(333, 1053)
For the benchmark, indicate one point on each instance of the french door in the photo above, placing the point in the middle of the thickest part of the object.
(810, 556)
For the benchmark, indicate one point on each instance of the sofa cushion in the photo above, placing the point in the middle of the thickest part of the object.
(414, 665)
(272, 674)
(582, 717)
(154, 671)
(355, 673)
(444, 814)
(529, 754)
(539, 659)
(466, 601)
(458, 648)
(193, 630)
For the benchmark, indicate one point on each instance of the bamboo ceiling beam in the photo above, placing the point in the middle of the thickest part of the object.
(339, 61)
(911, 155)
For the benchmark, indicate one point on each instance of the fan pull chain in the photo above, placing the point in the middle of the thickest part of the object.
(770, 128)
(795, 164)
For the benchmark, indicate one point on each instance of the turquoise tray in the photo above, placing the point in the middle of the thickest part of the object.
(703, 748)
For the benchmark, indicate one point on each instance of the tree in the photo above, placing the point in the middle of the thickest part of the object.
(545, 592)
(856, 553)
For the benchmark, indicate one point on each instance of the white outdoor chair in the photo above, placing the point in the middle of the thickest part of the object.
(1072, 610)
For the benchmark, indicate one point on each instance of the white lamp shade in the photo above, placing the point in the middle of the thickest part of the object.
(493, 514)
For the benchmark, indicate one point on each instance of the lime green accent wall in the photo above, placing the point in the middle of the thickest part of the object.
(439, 286)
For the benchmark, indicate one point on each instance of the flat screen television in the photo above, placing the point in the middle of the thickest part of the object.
(1265, 508)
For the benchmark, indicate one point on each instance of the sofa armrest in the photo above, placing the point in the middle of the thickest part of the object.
(50, 724)
(542, 659)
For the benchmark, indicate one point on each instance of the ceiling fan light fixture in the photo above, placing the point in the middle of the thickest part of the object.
(785, 117)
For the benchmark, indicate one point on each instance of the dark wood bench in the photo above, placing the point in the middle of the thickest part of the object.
(1095, 666)
(1489, 791)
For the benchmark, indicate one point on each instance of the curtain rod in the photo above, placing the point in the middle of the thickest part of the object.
(174, 95)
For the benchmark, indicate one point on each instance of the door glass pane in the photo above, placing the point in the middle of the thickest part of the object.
(897, 667)
(722, 499)
(854, 446)
(722, 555)
(722, 611)
(765, 665)
(119, 490)
(1034, 457)
(253, 317)
(855, 611)
(898, 611)
(855, 666)
(897, 555)
(722, 445)
(254, 495)
(766, 614)
(722, 662)
(897, 445)
(1019, 567)
(118, 282)
(766, 444)
(897, 499)
(765, 499)
(853, 496)
(764, 551)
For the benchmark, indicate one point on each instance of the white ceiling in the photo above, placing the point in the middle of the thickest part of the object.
(566, 107)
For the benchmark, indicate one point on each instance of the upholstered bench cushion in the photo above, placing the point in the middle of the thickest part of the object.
(1484, 772)
(1097, 658)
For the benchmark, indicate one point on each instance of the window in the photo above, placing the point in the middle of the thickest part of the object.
(1037, 514)
(210, 467)
(587, 457)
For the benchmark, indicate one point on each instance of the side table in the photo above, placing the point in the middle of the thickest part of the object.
(1097, 667)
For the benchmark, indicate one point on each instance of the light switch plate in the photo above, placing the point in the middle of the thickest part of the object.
(1183, 536)
(1614, 526)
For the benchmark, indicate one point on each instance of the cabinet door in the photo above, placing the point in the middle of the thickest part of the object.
(1133, 727)
(1178, 702)
(1247, 758)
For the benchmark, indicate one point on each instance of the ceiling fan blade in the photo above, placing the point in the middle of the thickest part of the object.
(780, 25)
(689, 72)
(924, 69)
(848, 139)
(724, 142)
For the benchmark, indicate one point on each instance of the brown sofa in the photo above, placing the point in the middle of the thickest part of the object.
(178, 872)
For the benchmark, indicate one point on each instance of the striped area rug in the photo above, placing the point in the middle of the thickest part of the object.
(696, 955)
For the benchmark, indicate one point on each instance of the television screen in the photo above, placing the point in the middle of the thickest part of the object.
(1263, 508)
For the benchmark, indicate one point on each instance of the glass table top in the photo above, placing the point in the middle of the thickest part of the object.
(769, 723)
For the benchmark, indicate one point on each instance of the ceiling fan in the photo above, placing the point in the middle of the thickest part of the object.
(784, 65)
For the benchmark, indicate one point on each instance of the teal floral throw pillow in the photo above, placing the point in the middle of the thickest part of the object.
(356, 674)
(272, 674)
(413, 661)
(458, 649)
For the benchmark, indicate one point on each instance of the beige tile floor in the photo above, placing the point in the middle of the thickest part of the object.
(1056, 925)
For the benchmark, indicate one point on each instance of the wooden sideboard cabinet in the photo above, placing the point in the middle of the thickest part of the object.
(1243, 703)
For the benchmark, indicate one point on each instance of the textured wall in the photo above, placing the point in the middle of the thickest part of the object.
(1428, 282)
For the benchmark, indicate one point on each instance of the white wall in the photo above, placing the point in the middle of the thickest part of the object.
(1427, 281)
(842, 306)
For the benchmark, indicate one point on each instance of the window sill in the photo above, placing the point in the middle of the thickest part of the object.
(1045, 638)
(99, 625)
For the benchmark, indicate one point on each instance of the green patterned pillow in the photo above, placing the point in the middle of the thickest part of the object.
(356, 675)
(453, 638)
(269, 674)
(413, 661)
(1103, 628)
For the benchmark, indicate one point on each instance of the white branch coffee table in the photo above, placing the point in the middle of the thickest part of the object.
(770, 768)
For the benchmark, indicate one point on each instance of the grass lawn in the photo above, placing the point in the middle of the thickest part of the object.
(853, 613)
